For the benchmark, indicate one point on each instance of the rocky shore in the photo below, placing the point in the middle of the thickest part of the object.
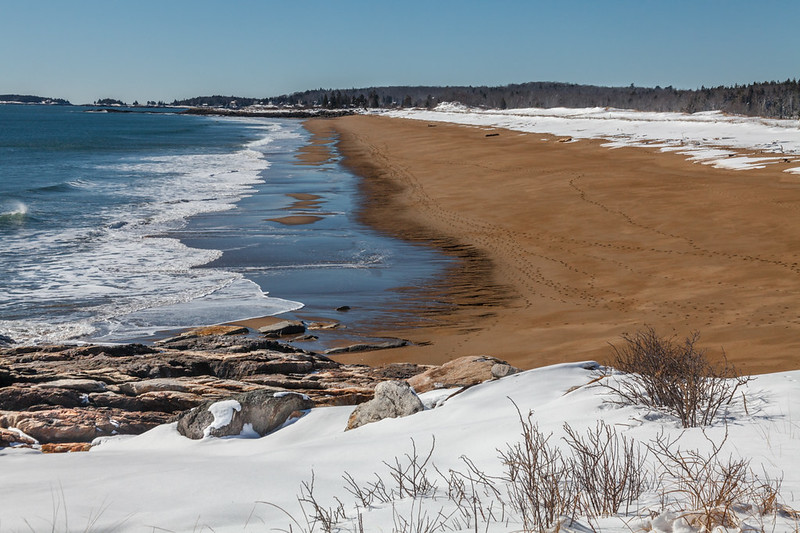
(61, 398)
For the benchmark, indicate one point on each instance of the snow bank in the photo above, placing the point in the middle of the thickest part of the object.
(162, 481)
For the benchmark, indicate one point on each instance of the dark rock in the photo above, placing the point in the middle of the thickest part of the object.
(226, 343)
(392, 399)
(5, 340)
(260, 412)
(239, 368)
(343, 308)
(116, 350)
(366, 347)
(5, 377)
(401, 371)
(283, 328)
(20, 397)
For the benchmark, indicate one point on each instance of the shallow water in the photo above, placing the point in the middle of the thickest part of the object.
(116, 226)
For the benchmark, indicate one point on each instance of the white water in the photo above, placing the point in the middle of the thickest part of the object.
(123, 277)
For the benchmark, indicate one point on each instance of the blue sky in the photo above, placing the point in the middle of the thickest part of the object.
(148, 50)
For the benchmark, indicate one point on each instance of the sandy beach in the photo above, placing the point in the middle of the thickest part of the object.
(564, 246)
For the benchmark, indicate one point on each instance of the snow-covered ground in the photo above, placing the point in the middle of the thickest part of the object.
(161, 481)
(709, 137)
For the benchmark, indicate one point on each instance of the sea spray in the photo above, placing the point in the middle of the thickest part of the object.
(13, 213)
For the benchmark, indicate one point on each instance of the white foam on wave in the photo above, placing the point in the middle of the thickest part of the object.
(123, 276)
(13, 211)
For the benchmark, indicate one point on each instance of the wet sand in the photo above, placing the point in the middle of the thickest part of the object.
(565, 246)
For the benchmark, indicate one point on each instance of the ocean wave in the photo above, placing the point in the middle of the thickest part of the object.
(13, 214)
(120, 274)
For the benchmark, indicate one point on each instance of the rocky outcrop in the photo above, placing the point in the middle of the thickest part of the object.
(392, 399)
(60, 394)
(254, 413)
(68, 394)
(462, 372)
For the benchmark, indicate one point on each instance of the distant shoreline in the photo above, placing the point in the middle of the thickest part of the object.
(276, 113)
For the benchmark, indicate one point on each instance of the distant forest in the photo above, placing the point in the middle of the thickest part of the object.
(29, 99)
(766, 99)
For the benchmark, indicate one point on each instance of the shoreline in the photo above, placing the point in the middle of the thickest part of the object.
(565, 246)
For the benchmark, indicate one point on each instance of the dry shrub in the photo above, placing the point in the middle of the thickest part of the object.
(476, 496)
(674, 377)
(609, 470)
(710, 490)
(537, 479)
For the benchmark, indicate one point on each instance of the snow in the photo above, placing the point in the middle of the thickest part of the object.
(287, 393)
(707, 137)
(162, 481)
(223, 414)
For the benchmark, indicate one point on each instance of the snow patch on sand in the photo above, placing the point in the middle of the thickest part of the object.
(707, 136)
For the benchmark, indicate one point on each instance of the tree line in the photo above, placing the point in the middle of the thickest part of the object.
(766, 99)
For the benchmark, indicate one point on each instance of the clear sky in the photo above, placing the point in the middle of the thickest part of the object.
(167, 49)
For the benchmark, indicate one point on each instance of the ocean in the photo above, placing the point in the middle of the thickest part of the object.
(124, 226)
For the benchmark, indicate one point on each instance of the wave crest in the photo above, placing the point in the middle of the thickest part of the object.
(14, 215)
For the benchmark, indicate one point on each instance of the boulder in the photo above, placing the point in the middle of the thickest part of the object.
(501, 370)
(253, 413)
(461, 372)
(282, 328)
(392, 399)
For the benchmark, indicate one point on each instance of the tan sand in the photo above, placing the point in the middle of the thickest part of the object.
(303, 196)
(296, 220)
(565, 246)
